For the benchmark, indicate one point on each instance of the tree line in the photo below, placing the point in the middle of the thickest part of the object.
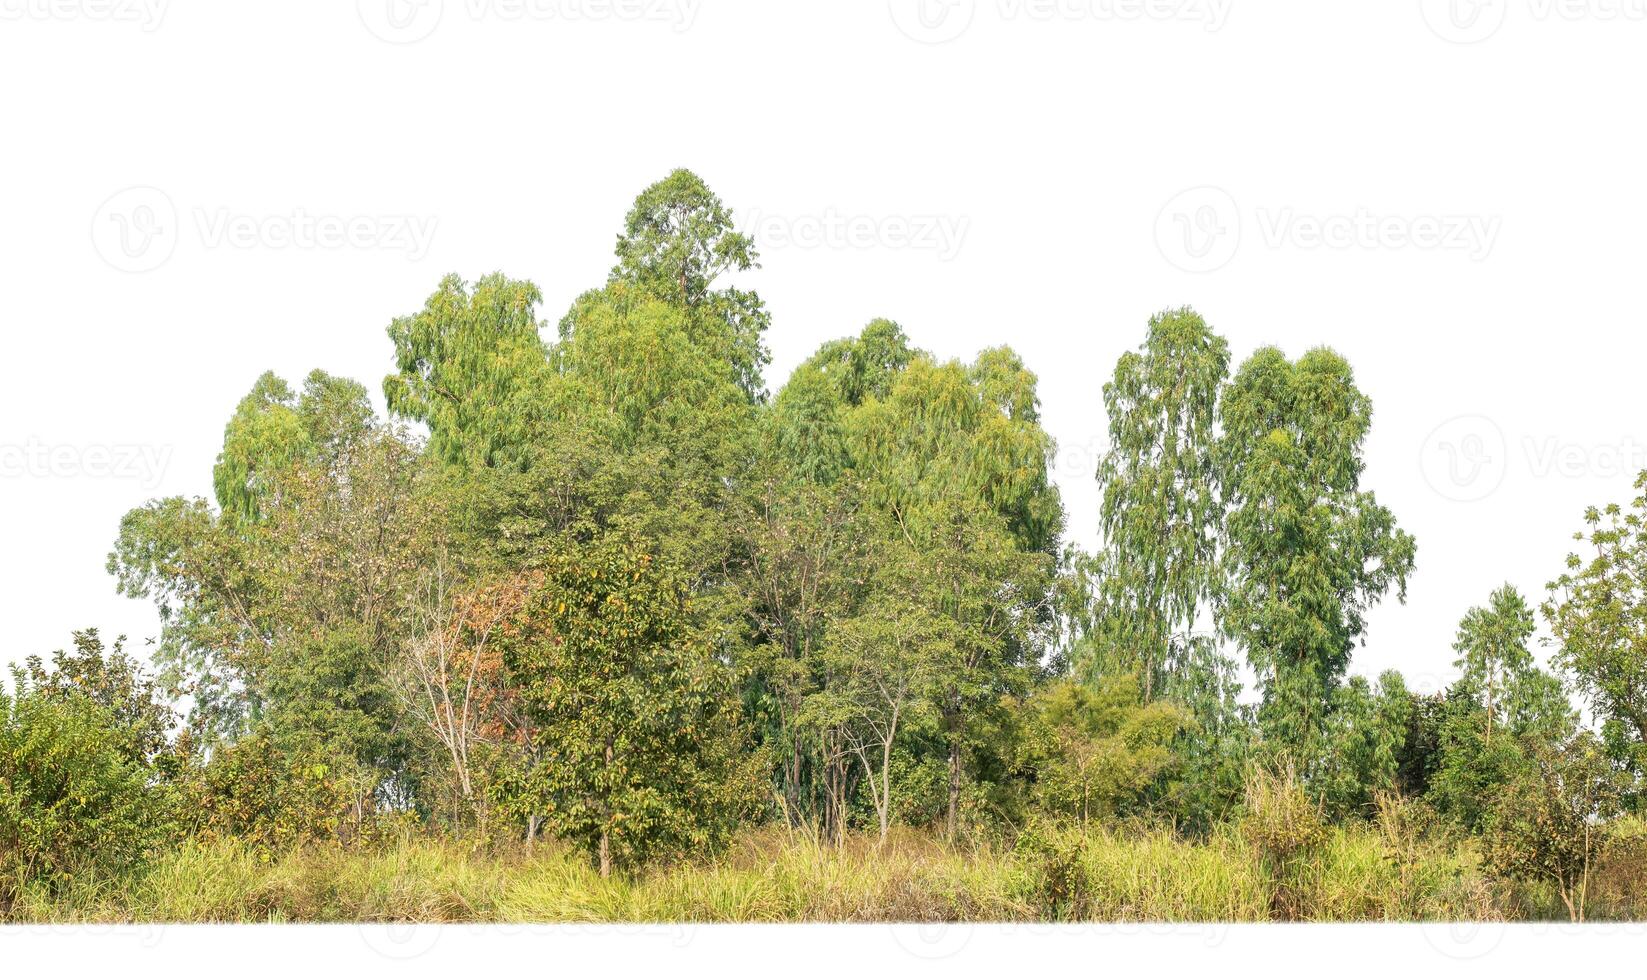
(597, 581)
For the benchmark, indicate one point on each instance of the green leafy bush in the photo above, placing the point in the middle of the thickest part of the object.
(75, 799)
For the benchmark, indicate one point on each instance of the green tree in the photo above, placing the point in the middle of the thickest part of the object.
(1598, 613)
(472, 366)
(882, 671)
(1502, 711)
(1492, 651)
(678, 241)
(1547, 823)
(1307, 551)
(290, 611)
(1089, 751)
(1366, 731)
(638, 747)
(1161, 509)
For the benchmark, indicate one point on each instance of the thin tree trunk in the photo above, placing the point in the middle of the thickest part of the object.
(606, 828)
(952, 822)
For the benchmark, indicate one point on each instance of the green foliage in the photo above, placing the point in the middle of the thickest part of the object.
(1366, 730)
(471, 366)
(637, 747)
(1089, 753)
(1546, 823)
(1598, 613)
(619, 587)
(82, 792)
(1502, 707)
(677, 241)
(1306, 549)
(1160, 512)
(275, 799)
(290, 613)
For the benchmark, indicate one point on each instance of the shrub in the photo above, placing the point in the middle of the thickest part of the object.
(274, 798)
(74, 800)
(1544, 825)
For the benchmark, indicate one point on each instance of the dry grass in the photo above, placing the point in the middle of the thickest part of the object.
(1356, 874)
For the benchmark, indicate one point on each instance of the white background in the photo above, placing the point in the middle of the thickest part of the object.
(1489, 154)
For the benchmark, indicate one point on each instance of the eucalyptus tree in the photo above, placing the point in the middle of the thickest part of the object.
(679, 240)
(812, 545)
(1160, 509)
(954, 460)
(1306, 550)
(472, 366)
(1499, 671)
(1501, 714)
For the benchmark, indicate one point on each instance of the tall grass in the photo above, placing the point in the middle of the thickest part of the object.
(1354, 874)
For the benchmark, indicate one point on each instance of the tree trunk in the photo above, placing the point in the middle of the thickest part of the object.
(606, 827)
(952, 822)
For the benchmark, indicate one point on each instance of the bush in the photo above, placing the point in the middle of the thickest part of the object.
(1619, 885)
(275, 798)
(74, 800)
(1544, 825)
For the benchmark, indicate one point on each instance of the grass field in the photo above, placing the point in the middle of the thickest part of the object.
(1352, 874)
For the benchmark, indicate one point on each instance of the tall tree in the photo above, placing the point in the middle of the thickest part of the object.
(1307, 551)
(955, 461)
(1498, 668)
(287, 606)
(1161, 508)
(678, 241)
